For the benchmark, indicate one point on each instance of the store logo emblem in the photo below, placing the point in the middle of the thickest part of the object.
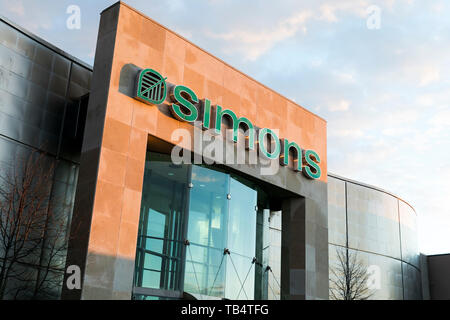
(151, 87)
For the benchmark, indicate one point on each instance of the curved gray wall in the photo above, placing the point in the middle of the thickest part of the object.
(381, 229)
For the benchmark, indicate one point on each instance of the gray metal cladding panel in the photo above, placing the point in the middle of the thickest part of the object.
(7, 152)
(81, 76)
(29, 135)
(8, 36)
(10, 126)
(76, 91)
(36, 95)
(58, 85)
(43, 56)
(13, 61)
(336, 212)
(35, 89)
(385, 273)
(411, 282)
(40, 76)
(25, 46)
(408, 232)
(61, 66)
(55, 103)
(11, 104)
(32, 114)
(373, 223)
(14, 84)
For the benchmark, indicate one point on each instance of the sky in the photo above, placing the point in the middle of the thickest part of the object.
(378, 71)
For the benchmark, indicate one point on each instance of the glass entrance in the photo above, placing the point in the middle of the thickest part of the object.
(198, 233)
(159, 250)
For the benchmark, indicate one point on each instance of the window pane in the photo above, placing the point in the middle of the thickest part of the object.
(241, 241)
(208, 209)
(161, 224)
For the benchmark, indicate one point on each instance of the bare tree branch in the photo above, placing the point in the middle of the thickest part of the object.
(349, 277)
(33, 230)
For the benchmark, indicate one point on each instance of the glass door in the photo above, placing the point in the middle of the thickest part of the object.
(160, 248)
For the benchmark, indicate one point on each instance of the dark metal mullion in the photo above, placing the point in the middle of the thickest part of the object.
(161, 255)
(346, 241)
(401, 249)
(149, 269)
(227, 223)
(166, 244)
(143, 244)
(77, 118)
(184, 217)
(174, 247)
(158, 292)
(209, 241)
(66, 97)
(171, 235)
(162, 277)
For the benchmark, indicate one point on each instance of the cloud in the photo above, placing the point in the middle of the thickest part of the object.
(441, 119)
(425, 74)
(342, 105)
(328, 13)
(255, 43)
(330, 10)
(16, 7)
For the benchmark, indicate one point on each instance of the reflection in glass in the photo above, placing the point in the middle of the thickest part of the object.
(242, 237)
(214, 210)
(159, 248)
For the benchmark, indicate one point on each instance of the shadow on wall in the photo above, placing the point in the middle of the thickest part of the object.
(106, 277)
(128, 81)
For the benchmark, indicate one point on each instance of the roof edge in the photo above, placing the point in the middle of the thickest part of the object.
(219, 59)
(362, 184)
(44, 42)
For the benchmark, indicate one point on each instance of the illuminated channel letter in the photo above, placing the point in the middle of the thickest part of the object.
(312, 160)
(151, 87)
(262, 148)
(284, 158)
(206, 113)
(236, 122)
(181, 102)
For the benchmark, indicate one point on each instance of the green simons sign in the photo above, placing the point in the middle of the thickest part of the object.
(152, 89)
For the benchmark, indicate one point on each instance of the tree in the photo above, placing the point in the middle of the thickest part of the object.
(349, 277)
(33, 232)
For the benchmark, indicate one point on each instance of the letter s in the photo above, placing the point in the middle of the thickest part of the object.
(180, 101)
(312, 164)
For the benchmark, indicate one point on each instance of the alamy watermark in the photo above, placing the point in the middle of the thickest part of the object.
(373, 21)
(209, 147)
(74, 279)
(73, 22)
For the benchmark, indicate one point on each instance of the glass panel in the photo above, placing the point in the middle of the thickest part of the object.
(262, 251)
(160, 238)
(207, 232)
(241, 241)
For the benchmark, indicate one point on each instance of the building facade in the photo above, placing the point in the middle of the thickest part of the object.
(142, 225)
